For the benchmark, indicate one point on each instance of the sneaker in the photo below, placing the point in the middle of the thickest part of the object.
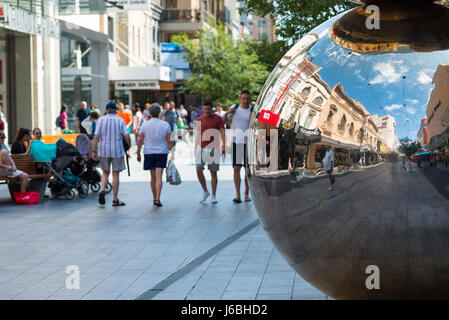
(330, 188)
(205, 196)
(213, 199)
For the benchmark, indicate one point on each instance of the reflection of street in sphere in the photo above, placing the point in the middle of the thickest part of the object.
(359, 91)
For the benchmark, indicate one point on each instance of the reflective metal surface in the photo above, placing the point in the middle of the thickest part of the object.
(386, 209)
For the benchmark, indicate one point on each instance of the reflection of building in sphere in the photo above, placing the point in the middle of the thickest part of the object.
(359, 98)
(387, 130)
(438, 109)
(423, 134)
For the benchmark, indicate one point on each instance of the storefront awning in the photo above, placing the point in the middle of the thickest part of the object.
(339, 143)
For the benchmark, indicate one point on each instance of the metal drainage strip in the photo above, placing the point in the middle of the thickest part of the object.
(164, 284)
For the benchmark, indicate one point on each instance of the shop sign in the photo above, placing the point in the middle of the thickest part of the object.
(2, 12)
(20, 20)
(135, 4)
(309, 132)
(137, 85)
(268, 117)
(71, 87)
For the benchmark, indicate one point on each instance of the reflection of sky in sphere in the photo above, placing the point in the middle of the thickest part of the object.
(377, 80)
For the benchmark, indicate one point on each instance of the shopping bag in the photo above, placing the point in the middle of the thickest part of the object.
(172, 173)
(26, 197)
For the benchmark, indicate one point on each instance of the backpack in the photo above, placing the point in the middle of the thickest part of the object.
(251, 108)
(235, 106)
(58, 122)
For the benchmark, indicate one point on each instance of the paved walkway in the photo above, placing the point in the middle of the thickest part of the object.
(184, 250)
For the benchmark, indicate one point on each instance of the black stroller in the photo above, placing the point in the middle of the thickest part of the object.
(68, 168)
(93, 176)
(90, 173)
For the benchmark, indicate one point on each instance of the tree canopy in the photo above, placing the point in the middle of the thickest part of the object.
(409, 147)
(221, 67)
(294, 18)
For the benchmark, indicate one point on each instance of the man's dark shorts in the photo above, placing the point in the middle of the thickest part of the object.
(239, 155)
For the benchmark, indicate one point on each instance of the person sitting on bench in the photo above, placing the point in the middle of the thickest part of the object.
(8, 168)
(18, 146)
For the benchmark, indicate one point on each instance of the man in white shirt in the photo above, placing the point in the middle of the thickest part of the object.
(240, 114)
(328, 165)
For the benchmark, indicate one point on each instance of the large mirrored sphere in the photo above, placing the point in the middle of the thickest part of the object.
(379, 98)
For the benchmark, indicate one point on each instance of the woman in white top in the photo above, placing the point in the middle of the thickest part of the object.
(137, 118)
(155, 136)
(8, 167)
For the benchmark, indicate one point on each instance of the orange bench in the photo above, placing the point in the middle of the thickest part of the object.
(70, 138)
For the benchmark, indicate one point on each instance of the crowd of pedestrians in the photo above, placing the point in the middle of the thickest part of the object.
(156, 129)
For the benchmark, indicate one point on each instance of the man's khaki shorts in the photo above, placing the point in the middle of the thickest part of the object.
(118, 164)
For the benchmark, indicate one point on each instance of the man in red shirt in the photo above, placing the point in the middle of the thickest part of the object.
(209, 127)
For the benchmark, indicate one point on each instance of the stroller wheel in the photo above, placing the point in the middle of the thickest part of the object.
(70, 194)
(83, 190)
(108, 188)
(95, 187)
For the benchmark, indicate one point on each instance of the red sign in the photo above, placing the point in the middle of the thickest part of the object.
(2, 12)
(269, 117)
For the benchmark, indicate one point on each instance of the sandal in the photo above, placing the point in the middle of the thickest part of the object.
(157, 203)
(248, 200)
(117, 203)
(237, 201)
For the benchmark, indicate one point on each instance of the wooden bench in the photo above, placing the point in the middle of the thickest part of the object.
(37, 181)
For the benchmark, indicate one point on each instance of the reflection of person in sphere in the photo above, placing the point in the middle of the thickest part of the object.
(328, 165)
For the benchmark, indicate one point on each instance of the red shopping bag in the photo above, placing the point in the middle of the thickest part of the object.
(26, 197)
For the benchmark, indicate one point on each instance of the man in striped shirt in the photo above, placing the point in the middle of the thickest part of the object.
(109, 137)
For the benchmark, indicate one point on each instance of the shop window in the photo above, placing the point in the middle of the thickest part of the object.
(319, 153)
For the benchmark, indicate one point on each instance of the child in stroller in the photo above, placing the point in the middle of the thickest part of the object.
(90, 174)
(68, 168)
(93, 176)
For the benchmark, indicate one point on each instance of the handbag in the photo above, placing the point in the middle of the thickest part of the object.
(31, 197)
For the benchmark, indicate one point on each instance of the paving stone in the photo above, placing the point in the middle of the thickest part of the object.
(124, 252)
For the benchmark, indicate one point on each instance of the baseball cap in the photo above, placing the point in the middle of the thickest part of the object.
(111, 105)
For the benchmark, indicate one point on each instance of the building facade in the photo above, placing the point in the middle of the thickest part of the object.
(29, 85)
(264, 29)
(387, 130)
(437, 111)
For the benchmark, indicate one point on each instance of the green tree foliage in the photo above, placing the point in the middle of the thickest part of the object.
(221, 67)
(269, 53)
(295, 18)
(409, 147)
